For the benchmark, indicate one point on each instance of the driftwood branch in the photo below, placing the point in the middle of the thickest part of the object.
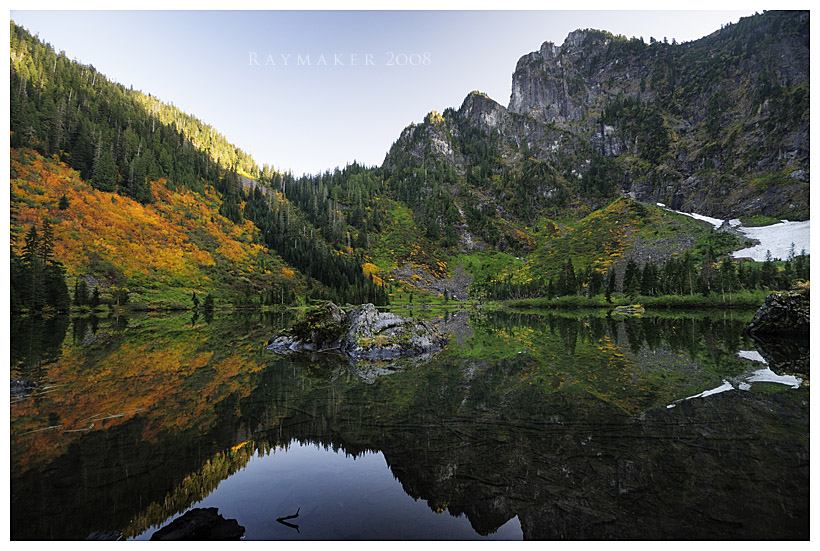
(283, 520)
(290, 516)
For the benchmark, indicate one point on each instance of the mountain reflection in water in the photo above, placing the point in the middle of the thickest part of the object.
(526, 425)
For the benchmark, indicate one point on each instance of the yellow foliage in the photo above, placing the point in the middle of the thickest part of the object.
(149, 242)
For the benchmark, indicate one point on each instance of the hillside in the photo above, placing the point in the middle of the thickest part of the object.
(160, 253)
(161, 204)
(480, 201)
(718, 126)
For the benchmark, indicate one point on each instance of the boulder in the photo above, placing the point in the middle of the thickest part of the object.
(375, 335)
(21, 385)
(363, 333)
(200, 524)
(785, 312)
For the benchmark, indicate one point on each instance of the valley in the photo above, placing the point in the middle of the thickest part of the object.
(582, 315)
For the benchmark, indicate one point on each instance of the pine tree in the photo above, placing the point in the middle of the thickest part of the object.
(80, 292)
(768, 272)
(629, 274)
(34, 296)
(105, 174)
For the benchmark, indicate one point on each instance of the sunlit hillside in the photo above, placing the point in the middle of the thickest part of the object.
(161, 252)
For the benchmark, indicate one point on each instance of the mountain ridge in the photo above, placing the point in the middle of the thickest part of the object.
(694, 142)
(710, 126)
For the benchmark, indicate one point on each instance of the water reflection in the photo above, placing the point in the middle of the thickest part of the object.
(560, 423)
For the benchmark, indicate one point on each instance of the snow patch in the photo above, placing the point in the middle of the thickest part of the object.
(777, 239)
(753, 355)
(722, 388)
(766, 375)
(744, 382)
(714, 221)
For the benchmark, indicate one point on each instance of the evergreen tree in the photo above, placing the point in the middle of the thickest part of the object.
(95, 298)
(80, 292)
(768, 272)
(634, 285)
(610, 284)
(649, 280)
(728, 278)
(629, 274)
(105, 174)
(33, 271)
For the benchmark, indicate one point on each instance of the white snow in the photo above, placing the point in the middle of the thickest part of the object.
(753, 355)
(766, 375)
(744, 382)
(714, 221)
(722, 388)
(777, 239)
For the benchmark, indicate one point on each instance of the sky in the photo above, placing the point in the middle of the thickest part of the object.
(258, 78)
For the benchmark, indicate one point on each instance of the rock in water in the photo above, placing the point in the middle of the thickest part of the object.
(364, 333)
(201, 524)
(784, 312)
(320, 329)
(375, 335)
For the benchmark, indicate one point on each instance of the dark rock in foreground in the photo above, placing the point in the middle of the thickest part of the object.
(21, 385)
(201, 524)
(104, 535)
(785, 313)
(785, 353)
(364, 332)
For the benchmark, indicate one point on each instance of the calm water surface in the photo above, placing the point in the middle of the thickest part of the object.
(533, 426)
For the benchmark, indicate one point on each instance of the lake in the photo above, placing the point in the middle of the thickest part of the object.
(528, 425)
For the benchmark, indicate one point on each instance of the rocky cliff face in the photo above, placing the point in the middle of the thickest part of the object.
(561, 83)
(718, 126)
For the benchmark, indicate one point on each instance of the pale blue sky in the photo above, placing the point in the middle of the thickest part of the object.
(312, 118)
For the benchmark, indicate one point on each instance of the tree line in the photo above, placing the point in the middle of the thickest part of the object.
(676, 276)
(118, 139)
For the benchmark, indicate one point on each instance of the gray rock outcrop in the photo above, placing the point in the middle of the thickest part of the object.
(784, 313)
(363, 333)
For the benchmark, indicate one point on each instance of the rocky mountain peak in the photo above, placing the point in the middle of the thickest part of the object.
(550, 84)
(586, 40)
(718, 125)
(479, 107)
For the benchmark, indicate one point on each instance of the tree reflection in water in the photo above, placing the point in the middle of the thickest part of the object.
(559, 421)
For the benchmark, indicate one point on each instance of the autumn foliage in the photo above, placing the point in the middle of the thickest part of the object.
(179, 240)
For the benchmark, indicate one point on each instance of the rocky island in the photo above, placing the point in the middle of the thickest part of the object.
(361, 333)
